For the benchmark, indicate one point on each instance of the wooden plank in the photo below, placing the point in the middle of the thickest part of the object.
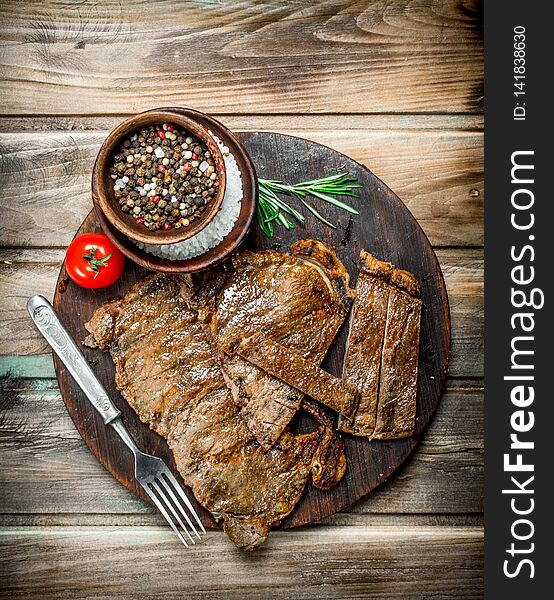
(255, 122)
(47, 469)
(463, 274)
(22, 274)
(269, 57)
(154, 519)
(23, 366)
(438, 174)
(18, 282)
(147, 562)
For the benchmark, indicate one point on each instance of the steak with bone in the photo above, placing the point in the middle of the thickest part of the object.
(298, 300)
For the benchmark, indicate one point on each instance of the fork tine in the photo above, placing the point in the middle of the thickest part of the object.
(161, 488)
(167, 487)
(181, 493)
(161, 508)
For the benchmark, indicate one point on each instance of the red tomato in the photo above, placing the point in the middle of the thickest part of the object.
(92, 261)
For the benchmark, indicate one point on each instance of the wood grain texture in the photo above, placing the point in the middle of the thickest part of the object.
(396, 85)
(381, 562)
(48, 470)
(437, 173)
(286, 57)
(153, 520)
(279, 123)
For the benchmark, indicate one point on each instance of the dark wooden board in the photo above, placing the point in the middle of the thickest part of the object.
(385, 227)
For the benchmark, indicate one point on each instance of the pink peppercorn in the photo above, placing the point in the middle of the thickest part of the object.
(166, 226)
(161, 134)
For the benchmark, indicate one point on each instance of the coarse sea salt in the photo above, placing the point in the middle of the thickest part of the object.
(220, 226)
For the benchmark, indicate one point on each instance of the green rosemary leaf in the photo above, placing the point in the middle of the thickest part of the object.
(273, 210)
(261, 222)
(336, 202)
(275, 200)
(270, 212)
(285, 222)
(335, 177)
(318, 215)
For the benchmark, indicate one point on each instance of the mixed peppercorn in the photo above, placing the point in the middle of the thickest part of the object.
(164, 177)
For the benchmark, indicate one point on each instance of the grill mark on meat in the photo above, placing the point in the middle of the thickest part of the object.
(382, 351)
(191, 405)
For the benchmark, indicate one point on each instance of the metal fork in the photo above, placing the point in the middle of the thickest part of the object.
(151, 472)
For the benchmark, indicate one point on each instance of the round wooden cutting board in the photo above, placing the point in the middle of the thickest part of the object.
(385, 227)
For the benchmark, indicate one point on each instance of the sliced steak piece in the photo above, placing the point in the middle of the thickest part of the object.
(161, 362)
(167, 370)
(299, 300)
(398, 389)
(382, 352)
(362, 361)
(299, 373)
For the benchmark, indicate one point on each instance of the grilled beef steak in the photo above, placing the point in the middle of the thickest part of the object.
(299, 300)
(398, 388)
(382, 351)
(301, 374)
(362, 360)
(167, 370)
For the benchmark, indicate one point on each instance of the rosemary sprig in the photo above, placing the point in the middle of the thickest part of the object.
(273, 210)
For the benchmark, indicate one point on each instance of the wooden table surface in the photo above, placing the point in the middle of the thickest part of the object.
(396, 85)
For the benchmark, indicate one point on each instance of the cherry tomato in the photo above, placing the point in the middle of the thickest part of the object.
(92, 261)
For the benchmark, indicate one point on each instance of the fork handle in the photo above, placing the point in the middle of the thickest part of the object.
(48, 323)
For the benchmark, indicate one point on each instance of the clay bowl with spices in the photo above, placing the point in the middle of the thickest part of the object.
(223, 234)
(159, 178)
